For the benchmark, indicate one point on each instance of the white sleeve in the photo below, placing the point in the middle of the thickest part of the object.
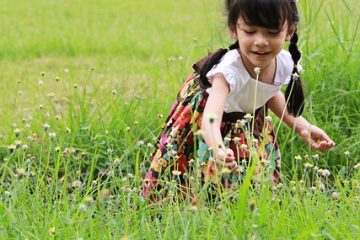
(229, 67)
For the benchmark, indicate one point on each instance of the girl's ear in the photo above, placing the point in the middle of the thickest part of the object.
(291, 31)
(233, 32)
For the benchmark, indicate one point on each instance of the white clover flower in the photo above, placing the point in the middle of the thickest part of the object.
(357, 166)
(322, 186)
(298, 158)
(227, 140)
(176, 172)
(347, 154)
(268, 119)
(335, 195)
(308, 165)
(76, 184)
(257, 70)
(248, 117)
(140, 143)
(295, 76)
(18, 143)
(243, 147)
(316, 156)
(52, 135)
(17, 132)
(52, 231)
(25, 147)
(45, 126)
(236, 140)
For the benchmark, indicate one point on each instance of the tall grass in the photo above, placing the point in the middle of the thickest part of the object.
(84, 86)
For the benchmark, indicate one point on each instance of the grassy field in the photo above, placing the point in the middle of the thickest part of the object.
(83, 85)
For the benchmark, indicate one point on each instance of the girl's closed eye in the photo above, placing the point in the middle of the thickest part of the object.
(274, 31)
(248, 31)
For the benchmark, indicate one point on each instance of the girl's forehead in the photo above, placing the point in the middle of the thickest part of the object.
(242, 22)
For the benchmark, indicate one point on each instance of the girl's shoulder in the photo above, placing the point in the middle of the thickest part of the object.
(231, 67)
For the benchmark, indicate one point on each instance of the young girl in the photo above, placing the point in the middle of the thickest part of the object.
(227, 97)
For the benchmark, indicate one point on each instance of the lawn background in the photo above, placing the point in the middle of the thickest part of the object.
(106, 69)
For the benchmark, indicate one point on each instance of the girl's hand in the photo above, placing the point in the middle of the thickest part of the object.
(226, 159)
(316, 138)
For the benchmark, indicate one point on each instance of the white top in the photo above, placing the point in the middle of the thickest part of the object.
(243, 87)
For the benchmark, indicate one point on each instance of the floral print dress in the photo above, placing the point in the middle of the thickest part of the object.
(183, 158)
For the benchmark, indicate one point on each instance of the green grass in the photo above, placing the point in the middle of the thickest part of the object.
(100, 72)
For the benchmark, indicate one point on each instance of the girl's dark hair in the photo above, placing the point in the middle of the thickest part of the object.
(268, 14)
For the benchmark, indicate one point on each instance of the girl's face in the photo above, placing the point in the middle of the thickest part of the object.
(258, 45)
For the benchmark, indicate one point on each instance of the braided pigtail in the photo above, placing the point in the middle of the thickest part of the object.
(209, 62)
(294, 93)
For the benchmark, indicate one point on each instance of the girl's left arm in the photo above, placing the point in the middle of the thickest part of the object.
(315, 137)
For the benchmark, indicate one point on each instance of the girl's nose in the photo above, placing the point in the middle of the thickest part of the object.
(261, 41)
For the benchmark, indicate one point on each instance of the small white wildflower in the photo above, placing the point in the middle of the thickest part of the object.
(40, 82)
(52, 231)
(268, 119)
(52, 135)
(114, 92)
(335, 195)
(315, 156)
(295, 76)
(257, 70)
(236, 140)
(298, 158)
(176, 173)
(243, 147)
(76, 184)
(45, 126)
(347, 154)
(248, 117)
(308, 165)
(17, 132)
(25, 147)
(140, 143)
(357, 166)
(18, 143)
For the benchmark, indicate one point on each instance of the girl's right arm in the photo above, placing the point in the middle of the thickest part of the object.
(212, 118)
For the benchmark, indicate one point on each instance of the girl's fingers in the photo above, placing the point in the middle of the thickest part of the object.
(322, 145)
